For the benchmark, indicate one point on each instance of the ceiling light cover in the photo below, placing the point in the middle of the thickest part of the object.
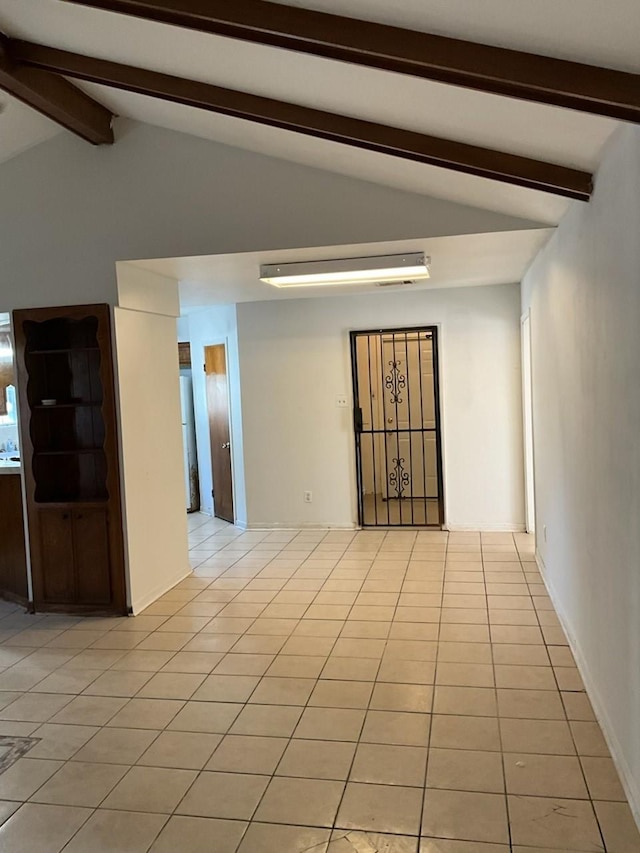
(410, 265)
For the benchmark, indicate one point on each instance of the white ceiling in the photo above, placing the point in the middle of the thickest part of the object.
(601, 32)
(534, 130)
(460, 261)
(343, 159)
(589, 30)
(21, 127)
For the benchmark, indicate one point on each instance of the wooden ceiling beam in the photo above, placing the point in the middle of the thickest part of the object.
(485, 68)
(404, 144)
(55, 97)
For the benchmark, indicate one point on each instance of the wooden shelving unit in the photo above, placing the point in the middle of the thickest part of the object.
(69, 441)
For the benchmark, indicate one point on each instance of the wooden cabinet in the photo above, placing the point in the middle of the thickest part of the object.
(74, 548)
(55, 553)
(69, 442)
(13, 557)
(91, 555)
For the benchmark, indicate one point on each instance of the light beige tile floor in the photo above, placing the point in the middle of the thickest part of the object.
(334, 692)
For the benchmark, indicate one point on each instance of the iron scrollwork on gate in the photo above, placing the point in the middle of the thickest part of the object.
(395, 381)
(397, 427)
(399, 478)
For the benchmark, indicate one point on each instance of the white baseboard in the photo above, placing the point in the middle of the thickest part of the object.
(139, 605)
(454, 527)
(631, 786)
(302, 525)
(329, 525)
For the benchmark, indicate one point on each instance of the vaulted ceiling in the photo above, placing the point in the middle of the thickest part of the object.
(416, 101)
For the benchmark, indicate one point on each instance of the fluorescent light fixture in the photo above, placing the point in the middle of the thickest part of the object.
(406, 267)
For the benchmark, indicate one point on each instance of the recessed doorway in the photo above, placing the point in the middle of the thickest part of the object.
(215, 368)
(397, 427)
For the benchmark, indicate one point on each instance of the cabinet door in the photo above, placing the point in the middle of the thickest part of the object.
(56, 556)
(91, 540)
(13, 560)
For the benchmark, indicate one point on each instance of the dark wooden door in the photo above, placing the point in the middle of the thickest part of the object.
(215, 367)
(56, 557)
(91, 543)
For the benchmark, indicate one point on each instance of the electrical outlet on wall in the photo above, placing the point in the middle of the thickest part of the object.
(342, 401)
(308, 497)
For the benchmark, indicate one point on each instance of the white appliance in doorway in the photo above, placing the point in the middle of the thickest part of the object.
(189, 445)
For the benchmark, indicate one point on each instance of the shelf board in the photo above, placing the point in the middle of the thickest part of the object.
(78, 451)
(41, 407)
(87, 503)
(65, 350)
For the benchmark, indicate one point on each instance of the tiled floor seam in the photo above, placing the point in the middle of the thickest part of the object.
(364, 718)
(245, 577)
(433, 696)
(495, 691)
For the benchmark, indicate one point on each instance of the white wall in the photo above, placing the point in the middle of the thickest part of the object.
(217, 326)
(182, 327)
(584, 296)
(295, 361)
(148, 389)
(141, 290)
(69, 210)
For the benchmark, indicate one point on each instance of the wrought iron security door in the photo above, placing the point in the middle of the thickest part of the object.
(397, 425)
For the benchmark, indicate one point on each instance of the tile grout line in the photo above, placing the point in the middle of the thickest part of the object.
(572, 735)
(248, 581)
(433, 693)
(247, 702)
(290, 739)
(499, 718)
(332, 828)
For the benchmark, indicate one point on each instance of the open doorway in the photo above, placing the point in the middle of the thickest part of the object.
(189, 446)
(217, 387)
(397, 425)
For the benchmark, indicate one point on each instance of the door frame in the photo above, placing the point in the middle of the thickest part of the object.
(527, 423)
(223, 340)
(435, 330)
